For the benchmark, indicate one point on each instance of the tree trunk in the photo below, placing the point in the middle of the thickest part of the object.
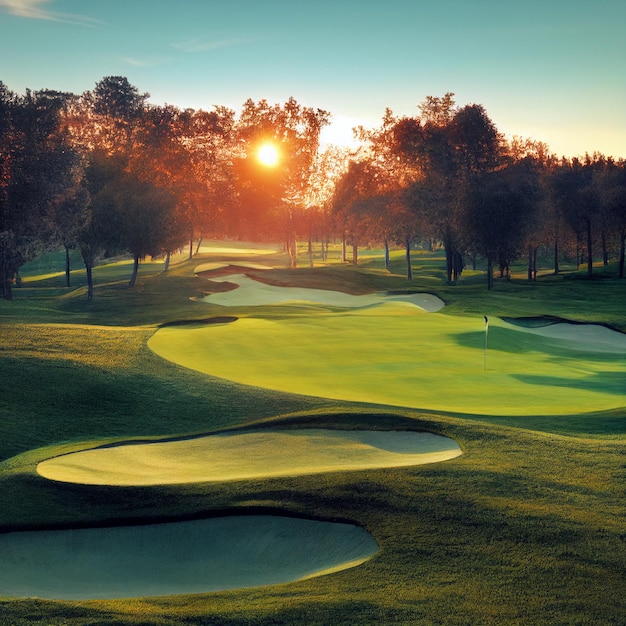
(622, 254)
(387, 260)
(605, 253)
(198, 245)
(191, 243)
(449, 264)
(68, 269)
(133, 278)
(355, 254)
(168, 258)
(531, 257)
(589, 250)
(556, 257)
(292, 250)
(7, 292)
(489, 273)
(535, 253)
(89, 272)
(344, 254)
(457, 265)
(310, 248)
(409, 269)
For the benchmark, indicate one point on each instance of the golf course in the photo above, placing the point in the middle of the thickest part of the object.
(234, 442)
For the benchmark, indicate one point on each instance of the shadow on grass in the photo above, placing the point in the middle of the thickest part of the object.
(514, 342)
(600, 382)
(595, 424)
(222, 319)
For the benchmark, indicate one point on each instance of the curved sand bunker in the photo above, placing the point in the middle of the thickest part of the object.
(248, 455)
(251, 292)
(176, 558)
(587, 337)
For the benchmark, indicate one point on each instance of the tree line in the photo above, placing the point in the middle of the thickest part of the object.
(106, 172)
(449, 177)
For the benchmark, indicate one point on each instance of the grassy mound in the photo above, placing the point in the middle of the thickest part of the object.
(250, 455)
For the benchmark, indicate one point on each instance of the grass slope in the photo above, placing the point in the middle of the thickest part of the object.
(526, 527)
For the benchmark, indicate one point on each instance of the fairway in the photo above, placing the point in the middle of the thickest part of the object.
(331, 445)
(396, 354)
(240, 456)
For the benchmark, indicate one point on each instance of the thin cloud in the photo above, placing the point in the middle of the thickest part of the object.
(36, 9)
(202, 45)
(139, 62)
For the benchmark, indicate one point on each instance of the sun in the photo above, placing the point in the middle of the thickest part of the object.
(268, 154)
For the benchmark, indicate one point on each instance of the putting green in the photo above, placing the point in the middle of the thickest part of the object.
(176, 558)
(254, 454)
(396, 354)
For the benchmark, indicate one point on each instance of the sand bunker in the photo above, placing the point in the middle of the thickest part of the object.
(176, 558)
(254, 293)
(248, 455)
(219, 268)
(587, 337)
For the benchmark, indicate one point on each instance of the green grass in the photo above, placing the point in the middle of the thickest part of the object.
(393, 355)
(526, 527)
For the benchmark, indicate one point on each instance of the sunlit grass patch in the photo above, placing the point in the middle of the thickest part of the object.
(427, 361)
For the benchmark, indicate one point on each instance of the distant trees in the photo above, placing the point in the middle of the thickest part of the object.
(38, 176)
(108, 172)
(452, 149)
(500, 207)
(452, 178)
(278, 194)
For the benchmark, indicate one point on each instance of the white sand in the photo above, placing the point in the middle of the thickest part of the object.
(248, 455)
(176, 558)
(215, 266)
(254, 293)
(587, 337)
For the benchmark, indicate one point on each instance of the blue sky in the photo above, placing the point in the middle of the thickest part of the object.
(552, 70)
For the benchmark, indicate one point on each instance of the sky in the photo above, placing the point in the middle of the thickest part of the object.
(550, 70)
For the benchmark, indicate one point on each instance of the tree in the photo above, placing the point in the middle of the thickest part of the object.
(498, 214)
(392, 214)
(295, 131)
(99, 228)
(71, 211)
(610, 182)
(36, 164)
(572, 182)
(353, 205)
(451, 148)
(145, 213)
(327, 168)
(118, 107)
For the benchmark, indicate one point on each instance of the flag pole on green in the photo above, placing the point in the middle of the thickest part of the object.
(485, 349)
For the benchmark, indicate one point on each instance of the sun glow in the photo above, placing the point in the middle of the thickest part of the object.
(268, 154)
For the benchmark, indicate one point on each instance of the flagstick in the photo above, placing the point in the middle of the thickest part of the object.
(485, 350)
